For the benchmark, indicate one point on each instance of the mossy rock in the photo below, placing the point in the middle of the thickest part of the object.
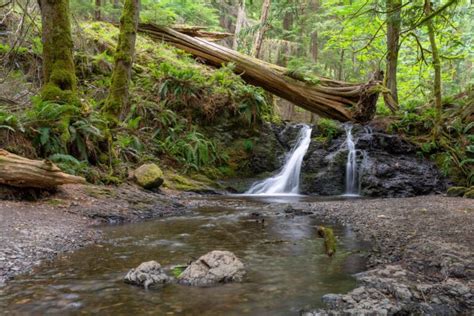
(457, 191)
(149, 176)
(469, 193)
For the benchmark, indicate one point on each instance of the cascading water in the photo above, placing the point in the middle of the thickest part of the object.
(288, 180)
(352, 186)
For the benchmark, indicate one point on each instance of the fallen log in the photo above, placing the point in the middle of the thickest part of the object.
(329, 98)
(21, 172)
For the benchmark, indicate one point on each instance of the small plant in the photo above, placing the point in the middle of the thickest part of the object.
(192, 149)
(328, 128)
(10, 121)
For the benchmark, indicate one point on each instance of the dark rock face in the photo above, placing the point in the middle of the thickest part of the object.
(388, 166)
(268, 152)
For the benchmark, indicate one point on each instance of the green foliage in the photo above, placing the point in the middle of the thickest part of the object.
(328, 128)
(64, 129)
(176, 271)
(10, 122)
(248, 145)
(192, 149)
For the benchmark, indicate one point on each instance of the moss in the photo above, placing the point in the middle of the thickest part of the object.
(149, 176)
(117, 100)
(469, 193)
(329, 240)
(456, 191)
(178, 182)
(59, 72)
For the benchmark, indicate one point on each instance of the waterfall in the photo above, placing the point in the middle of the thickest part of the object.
(288, 180)
(352, 186)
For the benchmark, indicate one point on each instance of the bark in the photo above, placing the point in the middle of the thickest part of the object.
(25, 173)
(98, 10)
(257, 46)
(334, 99)
(239, 24)
(116, 104)
(314, 47)
(59, 78)
(436, 59)
(393, 39)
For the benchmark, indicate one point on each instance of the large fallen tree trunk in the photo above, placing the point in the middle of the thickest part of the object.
(328, 98)
(21, 172)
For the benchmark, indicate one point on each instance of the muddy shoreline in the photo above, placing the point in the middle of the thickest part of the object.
(422, 261)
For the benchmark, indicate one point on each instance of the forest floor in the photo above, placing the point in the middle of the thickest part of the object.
(422, 259)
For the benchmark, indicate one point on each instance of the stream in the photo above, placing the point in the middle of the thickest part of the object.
(287, 269)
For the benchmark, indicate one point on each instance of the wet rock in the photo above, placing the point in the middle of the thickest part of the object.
(268, 152)
(148, 275)
(389, 165)
(213, 268)
(149, 176)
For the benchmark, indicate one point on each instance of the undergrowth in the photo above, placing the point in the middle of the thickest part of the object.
(173, 98)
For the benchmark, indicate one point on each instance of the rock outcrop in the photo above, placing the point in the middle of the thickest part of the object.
(213, 268)
(388, 165)
(148, 275)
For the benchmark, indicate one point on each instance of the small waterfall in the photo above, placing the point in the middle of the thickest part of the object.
(352, 183)
(288, 180)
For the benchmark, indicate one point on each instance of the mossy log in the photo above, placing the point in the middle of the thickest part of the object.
(21, 172)
(329, 240)
(329, 98)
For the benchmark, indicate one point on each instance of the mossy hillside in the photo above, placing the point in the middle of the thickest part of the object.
(187, 117)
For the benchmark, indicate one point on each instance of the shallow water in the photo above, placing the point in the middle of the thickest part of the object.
(287, 270)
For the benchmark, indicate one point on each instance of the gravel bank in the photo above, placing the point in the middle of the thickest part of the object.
(422, 261)
(36, 231)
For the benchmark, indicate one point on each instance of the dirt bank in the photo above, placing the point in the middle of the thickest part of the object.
(36, 231)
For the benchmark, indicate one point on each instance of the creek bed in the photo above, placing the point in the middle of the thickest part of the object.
(287, 270)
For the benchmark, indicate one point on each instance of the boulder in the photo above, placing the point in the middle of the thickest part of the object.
(456, 191)
(148, 275)
(149, 176)
(213, 268)
(469, 193)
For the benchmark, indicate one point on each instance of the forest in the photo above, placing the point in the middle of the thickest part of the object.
(317, 156)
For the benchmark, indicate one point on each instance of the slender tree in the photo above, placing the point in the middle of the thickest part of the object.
(239, 24)
(98, 10)
(257, 46)
(435, 56)
(59, 78)
(116, 104)
(393, 45)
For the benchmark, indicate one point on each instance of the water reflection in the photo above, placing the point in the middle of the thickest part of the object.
(287, 268)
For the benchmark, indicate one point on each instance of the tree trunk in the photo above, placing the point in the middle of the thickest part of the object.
(98, 11)
(116, 104)
(393, 36)
(58, 64)
(436, 60)
(328, 98)
(21, 172)
(257, 46)
(239, 24)
(340, 70)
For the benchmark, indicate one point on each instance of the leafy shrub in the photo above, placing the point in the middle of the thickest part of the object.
(10, 121)
(64, 129)
(328, 128)
(192, 149)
